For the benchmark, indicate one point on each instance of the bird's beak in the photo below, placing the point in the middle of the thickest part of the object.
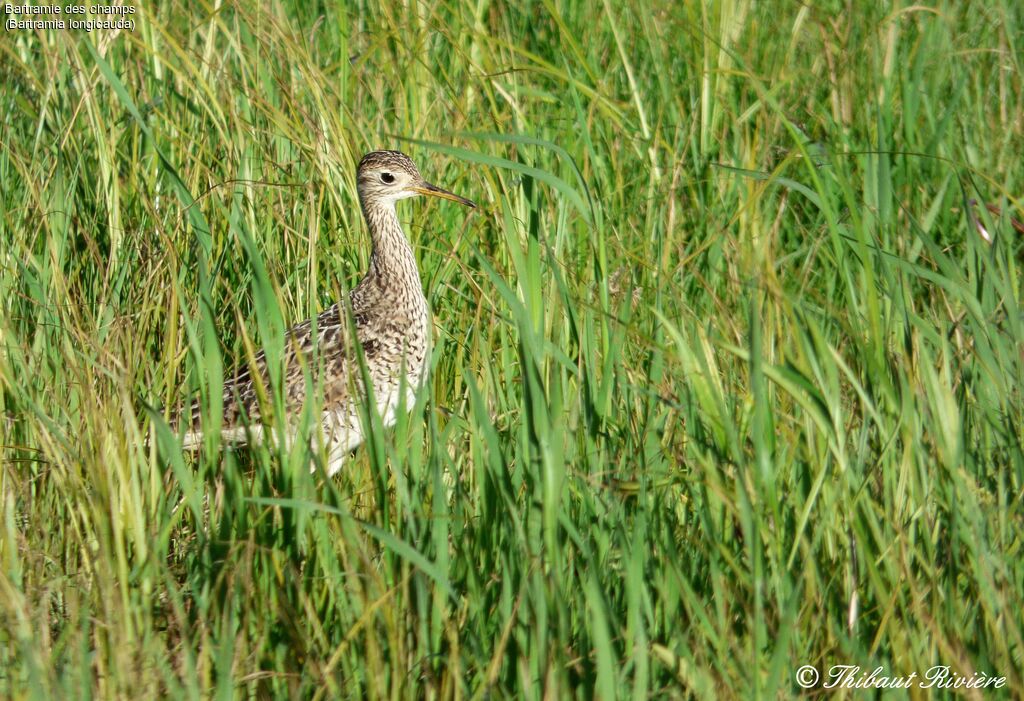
(426, 188)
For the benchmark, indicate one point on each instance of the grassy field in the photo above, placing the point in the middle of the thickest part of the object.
(724, 380)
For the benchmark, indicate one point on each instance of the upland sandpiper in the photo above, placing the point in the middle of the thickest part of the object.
(390, 318)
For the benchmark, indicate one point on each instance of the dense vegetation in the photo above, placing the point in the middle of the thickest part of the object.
(724, 379)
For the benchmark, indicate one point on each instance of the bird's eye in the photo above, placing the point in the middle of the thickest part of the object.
(387, 178)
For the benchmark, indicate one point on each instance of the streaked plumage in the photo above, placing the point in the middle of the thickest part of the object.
(389, 316)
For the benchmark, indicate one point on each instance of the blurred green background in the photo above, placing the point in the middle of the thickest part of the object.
(724, 380)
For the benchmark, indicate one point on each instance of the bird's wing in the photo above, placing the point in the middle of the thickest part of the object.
(332, 352)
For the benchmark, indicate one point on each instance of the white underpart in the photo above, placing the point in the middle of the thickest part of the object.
(342, 430)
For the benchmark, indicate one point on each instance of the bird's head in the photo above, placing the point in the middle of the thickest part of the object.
(388, 176)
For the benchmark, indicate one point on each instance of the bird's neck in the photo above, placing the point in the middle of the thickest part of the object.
(392, 257)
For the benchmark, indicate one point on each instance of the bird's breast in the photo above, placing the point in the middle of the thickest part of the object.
(397, 339)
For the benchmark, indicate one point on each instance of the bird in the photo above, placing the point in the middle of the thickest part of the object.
(387, 314)
(972, 207)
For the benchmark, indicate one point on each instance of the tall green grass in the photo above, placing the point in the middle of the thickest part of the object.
(724, 382)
